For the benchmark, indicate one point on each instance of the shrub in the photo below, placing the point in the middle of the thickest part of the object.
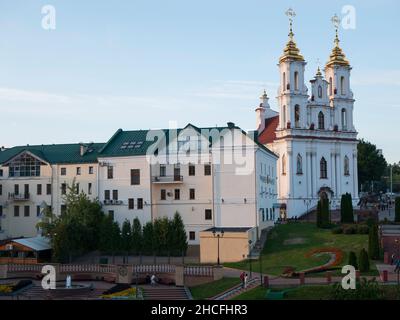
(353, 259)
(363, 261)
(397, 209)
(349, 229)
(373, 243)
(365, 290)
(362, 229)
(337, 230)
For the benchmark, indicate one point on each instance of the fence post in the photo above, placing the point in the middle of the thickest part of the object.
(179, 275)
(302, 278)
(384, 276)
(218, 272)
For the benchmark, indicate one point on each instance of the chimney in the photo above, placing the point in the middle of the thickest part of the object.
(260, 112)
(82, 149)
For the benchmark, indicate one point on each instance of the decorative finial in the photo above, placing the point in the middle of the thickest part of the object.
(290, 14)
(318, 70)
(336, 23)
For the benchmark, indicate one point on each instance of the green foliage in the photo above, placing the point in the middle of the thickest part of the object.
(363, 261)
(148, 237)
(397, 209)
(323, 214)
(373, 243)
(365, 290)
(337, 230)
(137, 236)
(126, 236)
(319, 214)
(353, 259)
(179, 238)
(371, 164)
(346, 209)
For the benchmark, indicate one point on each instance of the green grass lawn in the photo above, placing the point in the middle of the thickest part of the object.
(278, 253)
(211, 289)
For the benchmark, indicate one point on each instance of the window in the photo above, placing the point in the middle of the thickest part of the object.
(48, 189)
(77, 188)
(140, 203)
(192, 194)
(319, 92)
(89, 188)
(63, 171)
(192, 170)
(330, 86)
(163, 170)
(323, 169)
(63, 209)
(1, 172)
(207, 169)
(78, 171)
(177, 172)
(39, 189)
(321, 121)
(111, 214)
(115, 194)
(38, 211)
(297, 116)
(296, 80)
(283, 164)
(284, 117)
(163, 194)
(25, 166)
(299, 164)
(26, 211)
(91, 170)
(208, 214)
(346, 166)
(177, 194)
(1, 189)
(16, 211)
(16, 189)
(1, 210)
(106, 194)
(130, 204)
(192, 235)
(344, 119)
(110, 172)
(135, 176)
(342, 84)
(284, 81)
(63, 188)
(26, 189)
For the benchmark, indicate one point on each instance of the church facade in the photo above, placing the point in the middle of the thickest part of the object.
(313, 133)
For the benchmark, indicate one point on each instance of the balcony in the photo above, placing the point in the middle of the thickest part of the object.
(113, 202)
(167, 179)
(19, 197)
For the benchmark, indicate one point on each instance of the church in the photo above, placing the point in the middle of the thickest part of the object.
(313, 133)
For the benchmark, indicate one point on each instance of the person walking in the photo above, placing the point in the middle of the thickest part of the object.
(242, 279)
(392, 258)
(397, 269)
(153, 280)
(245, 281)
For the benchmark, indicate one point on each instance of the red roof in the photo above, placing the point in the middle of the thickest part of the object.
(268, 135)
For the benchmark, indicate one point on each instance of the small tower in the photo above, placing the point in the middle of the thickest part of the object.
(292, 93)
(260, 112)
(337, 73)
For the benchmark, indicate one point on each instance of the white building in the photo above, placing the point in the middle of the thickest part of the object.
(212, 182)
(313, 133)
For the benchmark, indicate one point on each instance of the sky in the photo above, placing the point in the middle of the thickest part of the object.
(141, 64)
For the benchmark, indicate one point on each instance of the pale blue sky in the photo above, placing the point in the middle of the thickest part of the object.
(139, 64)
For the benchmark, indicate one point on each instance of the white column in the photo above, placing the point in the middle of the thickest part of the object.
(306, 172)
(291, 174)
(316, 171)
(340, 174)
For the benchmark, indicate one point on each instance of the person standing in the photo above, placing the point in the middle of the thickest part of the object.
(245, 281)
(242, 279)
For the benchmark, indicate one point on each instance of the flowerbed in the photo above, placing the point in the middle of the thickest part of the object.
(338, 257)
(125, 294)
(7, 289)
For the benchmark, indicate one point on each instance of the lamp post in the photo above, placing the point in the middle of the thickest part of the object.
(218, 235)
(250, 242)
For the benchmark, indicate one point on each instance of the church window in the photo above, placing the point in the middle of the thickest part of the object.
(284, 81)
(321, 121)
(323, 169)
(344, 119)
(330, 86)
(297, 116)
(346, 166)
(284, 116)
(319, 92)
(299, 164)
(342, 83)
(296, 80)
(283, 164)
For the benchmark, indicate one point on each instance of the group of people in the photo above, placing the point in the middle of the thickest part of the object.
(152, 279)
(244, 279)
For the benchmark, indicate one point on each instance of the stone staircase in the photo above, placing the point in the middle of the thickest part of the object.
(237, 290)
(160, 292)
(38, 293)
(259, 245)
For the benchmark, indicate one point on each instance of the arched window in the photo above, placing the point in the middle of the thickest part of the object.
(321, 121)
(346, 166)
(283, 164)
(323, 169)
(330, 86)
(296, 80)
(342, 84)
(284, 81)
(299, 164)
(297, 116)
(344, 119)
(284, 117)
(319, 92)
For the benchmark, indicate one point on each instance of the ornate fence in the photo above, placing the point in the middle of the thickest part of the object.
(87, 268)
(198, 271)
(15, 267)
(156, 268)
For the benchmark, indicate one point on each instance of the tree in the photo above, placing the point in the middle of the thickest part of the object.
(106, 234)
(115, 239)
(363, 261)
(371, 163)
(373, 242)
(319, 214)
(353, 259)
(325, 213)
(148, 245)
(126, 238)
(346, 209)
(179, 241)
(137, 237)
(397, 209)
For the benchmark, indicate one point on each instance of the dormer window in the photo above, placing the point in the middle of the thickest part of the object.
(25, 166)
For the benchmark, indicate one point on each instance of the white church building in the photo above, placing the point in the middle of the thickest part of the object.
(313, 133)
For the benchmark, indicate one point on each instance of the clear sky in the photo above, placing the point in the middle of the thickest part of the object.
(140, 64)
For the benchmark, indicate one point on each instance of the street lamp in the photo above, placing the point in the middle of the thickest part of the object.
(250, 242)
(218, 235)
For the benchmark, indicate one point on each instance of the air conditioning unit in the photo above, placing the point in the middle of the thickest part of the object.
(118, 202)
(106, 201)
(9, 247)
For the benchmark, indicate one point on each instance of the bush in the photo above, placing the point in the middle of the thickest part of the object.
(363, 261)
(337, 230)
(397, 209)
(353, 259)
(365, 290)
(349, 229)
(362, 229)
(373, 243)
